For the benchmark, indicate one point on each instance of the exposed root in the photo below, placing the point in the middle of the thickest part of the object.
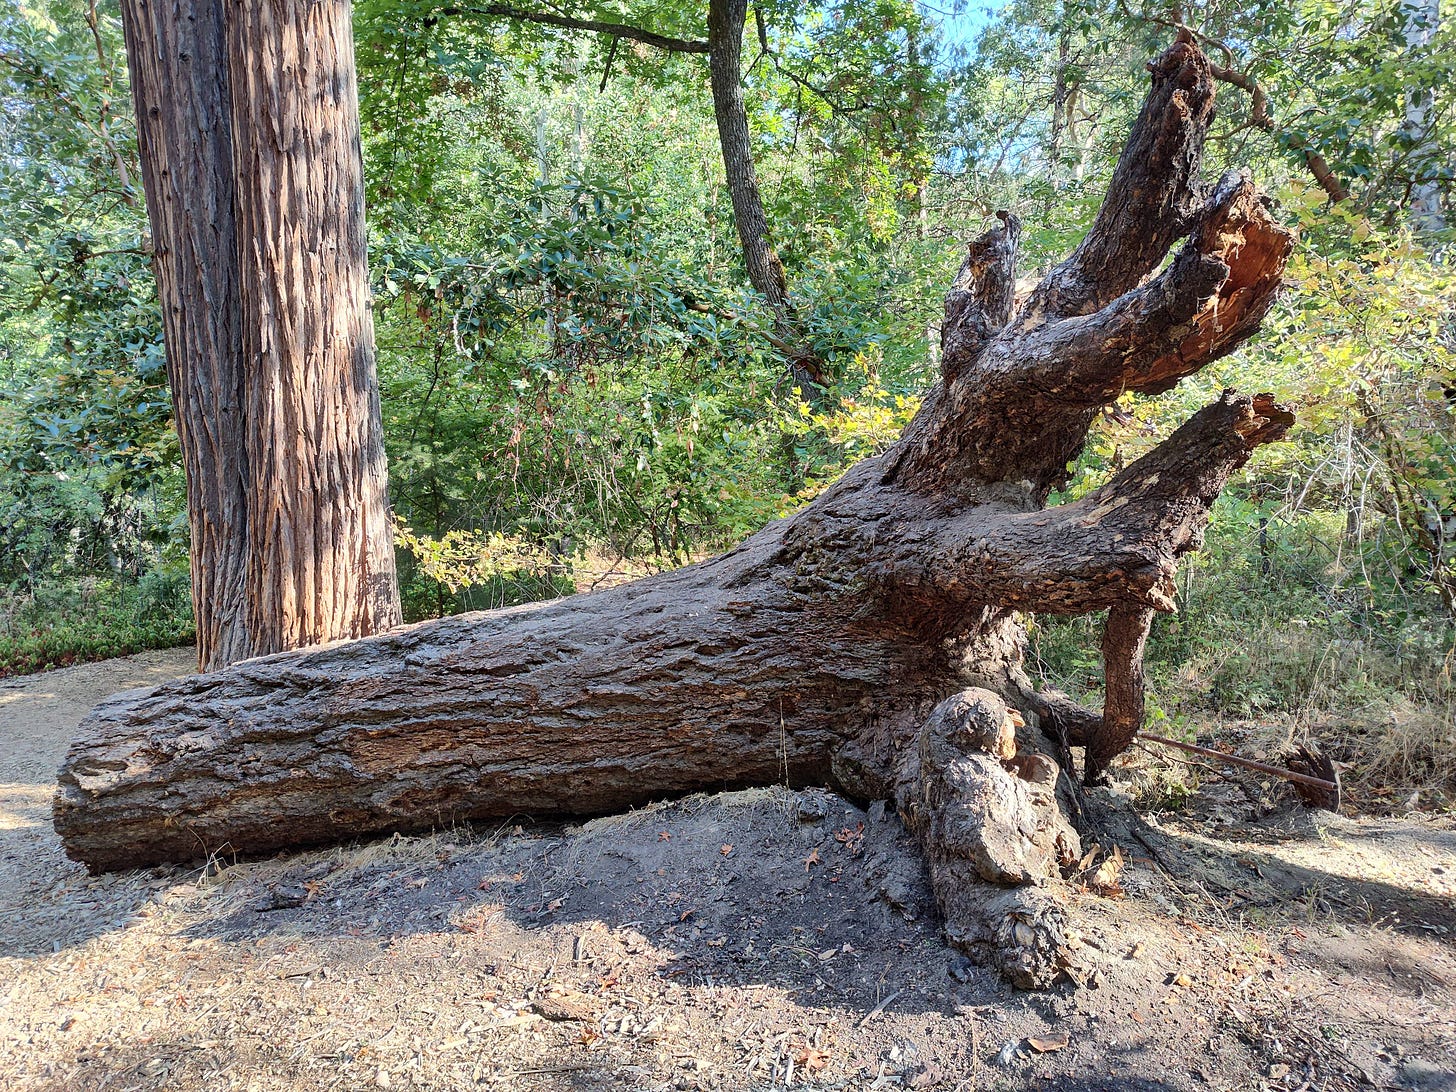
(986, 813)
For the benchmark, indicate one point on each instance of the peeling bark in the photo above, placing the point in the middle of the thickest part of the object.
(872, 641)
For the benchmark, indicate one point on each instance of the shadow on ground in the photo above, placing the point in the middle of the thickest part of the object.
(759, 939)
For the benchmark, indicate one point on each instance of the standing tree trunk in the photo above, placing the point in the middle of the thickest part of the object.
(872, 641)
(250, 156)
(321, 556)
(177, 54)
(726, 22)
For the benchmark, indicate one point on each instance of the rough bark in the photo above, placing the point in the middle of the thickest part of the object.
(177, 56)
(321, 545)
(1259, 115)
(1123, 642)
(871, 641)
(249, 146)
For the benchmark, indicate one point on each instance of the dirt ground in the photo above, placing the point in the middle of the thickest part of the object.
(754, 940)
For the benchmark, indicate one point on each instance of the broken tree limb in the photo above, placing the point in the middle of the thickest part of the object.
(1246, 763)
(1208, 301)
(979, 302)
(1260, 116)
(1152, 198)
(1119, 543)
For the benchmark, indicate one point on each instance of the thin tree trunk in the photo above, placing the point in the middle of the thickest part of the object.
(1061, 103)
(724, 47)
(726, 21)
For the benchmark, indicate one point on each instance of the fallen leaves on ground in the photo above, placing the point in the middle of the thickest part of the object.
(1045, 1044)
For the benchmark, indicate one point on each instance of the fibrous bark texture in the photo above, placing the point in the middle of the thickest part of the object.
(248, 133)
(177, 54)
(872, 641)
(321, 541)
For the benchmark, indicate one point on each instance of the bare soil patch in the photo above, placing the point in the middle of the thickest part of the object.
(748, 940)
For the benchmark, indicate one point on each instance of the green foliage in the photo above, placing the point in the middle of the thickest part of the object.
(89, 481)
(60, 623)
(1043, 104)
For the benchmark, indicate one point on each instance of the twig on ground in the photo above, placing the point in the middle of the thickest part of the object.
(867, 1017)
(1190, 763)
(1247, 763)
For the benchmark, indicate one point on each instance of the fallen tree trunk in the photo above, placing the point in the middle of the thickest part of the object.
(872, 641)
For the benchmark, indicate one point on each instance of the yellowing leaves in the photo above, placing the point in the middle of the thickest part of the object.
(461, 558)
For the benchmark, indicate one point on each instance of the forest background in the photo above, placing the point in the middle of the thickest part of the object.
(580, 384)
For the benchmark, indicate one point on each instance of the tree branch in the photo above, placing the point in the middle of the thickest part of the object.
(617, 30)
(1117, 546)
(607, 68)
(1123, 643)
(1208, 301)
(980, 298)
(1021, 413)
(1259, 116)
(1260, 119)
(1153, 196)
(692, 304)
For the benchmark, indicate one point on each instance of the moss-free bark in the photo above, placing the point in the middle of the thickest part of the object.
(872, 641)
(248, 134)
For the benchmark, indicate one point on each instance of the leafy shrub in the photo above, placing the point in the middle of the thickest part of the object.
(68, 622)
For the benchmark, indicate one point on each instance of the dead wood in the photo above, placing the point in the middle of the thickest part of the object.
(873, 641)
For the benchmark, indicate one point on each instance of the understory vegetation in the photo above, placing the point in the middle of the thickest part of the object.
(579, 383)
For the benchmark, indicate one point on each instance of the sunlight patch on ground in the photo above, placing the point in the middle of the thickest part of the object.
(24, 806)
(1411, 860)
(21, 697)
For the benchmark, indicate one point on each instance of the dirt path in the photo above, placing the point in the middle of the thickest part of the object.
(38, 714)
(754, 940)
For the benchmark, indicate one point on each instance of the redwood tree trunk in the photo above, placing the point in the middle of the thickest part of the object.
(872, 641)
(321, 545)
(177, 54)
(248, 132)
